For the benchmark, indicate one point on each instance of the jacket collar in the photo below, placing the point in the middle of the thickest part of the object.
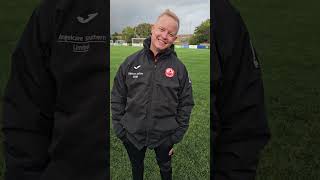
(160, 55)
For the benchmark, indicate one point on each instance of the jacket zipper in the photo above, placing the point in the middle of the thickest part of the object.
(150, 102)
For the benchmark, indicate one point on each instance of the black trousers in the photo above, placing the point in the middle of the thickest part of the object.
(136, 157)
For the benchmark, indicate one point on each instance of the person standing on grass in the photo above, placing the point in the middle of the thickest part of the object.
(151, 98)
(240, 128)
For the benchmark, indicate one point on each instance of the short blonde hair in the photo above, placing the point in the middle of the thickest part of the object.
(171, 14)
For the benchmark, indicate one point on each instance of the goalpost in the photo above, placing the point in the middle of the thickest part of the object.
(120, 42)
(138, 42)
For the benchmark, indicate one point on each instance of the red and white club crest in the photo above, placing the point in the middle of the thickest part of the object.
(169, 72)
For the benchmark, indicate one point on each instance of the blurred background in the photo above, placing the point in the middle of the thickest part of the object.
(286, 36)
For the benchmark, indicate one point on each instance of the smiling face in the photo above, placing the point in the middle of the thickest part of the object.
(164, 33)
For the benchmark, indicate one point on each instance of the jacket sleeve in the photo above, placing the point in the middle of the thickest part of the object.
(185, 105)
(118, 101)
(28, 103)
(243, 129)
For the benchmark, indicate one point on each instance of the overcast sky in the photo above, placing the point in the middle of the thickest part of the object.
(131, 13)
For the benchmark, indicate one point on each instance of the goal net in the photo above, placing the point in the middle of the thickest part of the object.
(137, 41)
(120, 43)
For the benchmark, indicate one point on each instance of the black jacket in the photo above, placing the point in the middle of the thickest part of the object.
(240, 126)
(148, 105)
(56, 101)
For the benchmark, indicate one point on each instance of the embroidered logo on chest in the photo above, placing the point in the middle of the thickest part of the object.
(135, 75)
(169, 72)
(81, 43)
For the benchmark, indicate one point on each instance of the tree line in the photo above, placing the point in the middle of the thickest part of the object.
(201, 33)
